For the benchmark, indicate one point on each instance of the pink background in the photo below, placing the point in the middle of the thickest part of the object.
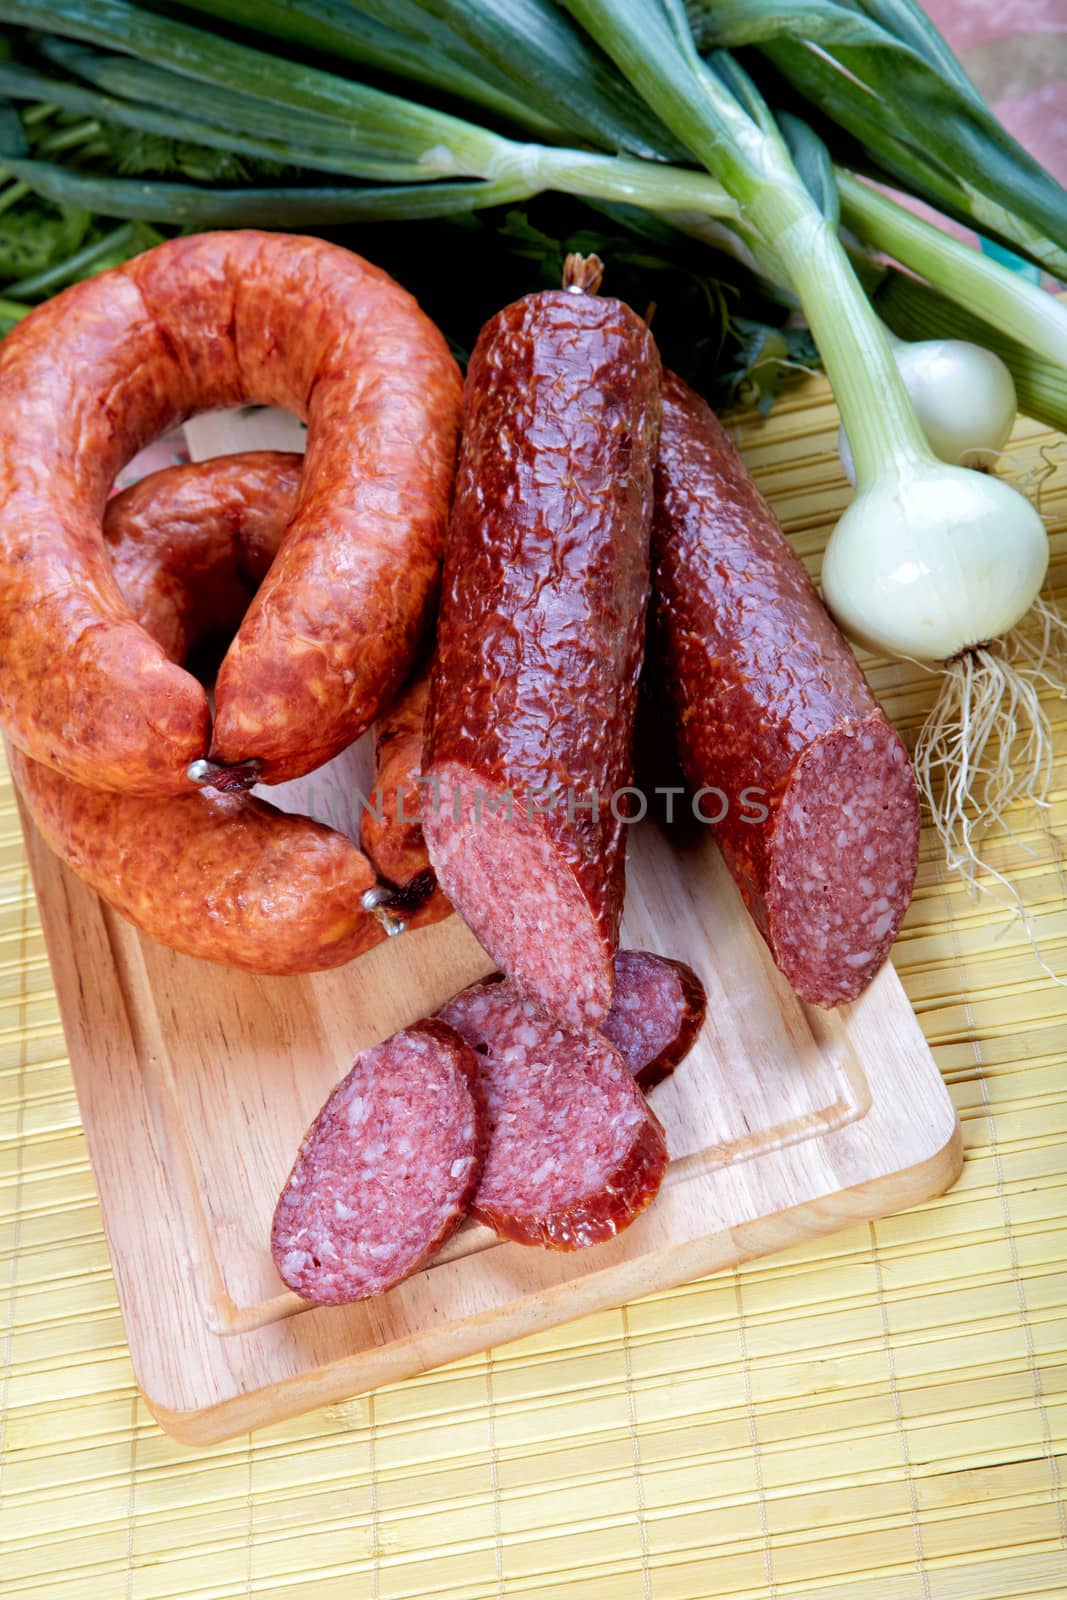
(1006, 47)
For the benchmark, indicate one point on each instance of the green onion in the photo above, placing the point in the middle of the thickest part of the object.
(400, 37)
(892, 573)
(296, 150)
(390, 138)
(894, 90)
(777, 218)
(189, 205)
(192, 206)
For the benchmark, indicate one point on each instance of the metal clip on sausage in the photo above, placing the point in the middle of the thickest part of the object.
(394, 907)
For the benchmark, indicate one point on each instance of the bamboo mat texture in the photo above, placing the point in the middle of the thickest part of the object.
(876, 1416)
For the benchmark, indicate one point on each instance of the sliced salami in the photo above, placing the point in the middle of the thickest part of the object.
(575, 1153)
(386, 1171)
(657, 1011)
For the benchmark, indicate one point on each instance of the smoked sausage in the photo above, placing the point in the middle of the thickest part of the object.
(386, 1171)
(391, 826)
(540, 639)
(90, 377)
(190, 545)
(774, 715)
(226, 877)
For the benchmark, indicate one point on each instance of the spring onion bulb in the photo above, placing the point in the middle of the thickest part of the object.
(933, 561)
(964, 398)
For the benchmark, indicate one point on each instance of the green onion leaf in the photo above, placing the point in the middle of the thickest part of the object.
(812, 160)
(187, 206)
(551, 63)
(156, 118)
(391, 138)
(396, 37)
(834, 53)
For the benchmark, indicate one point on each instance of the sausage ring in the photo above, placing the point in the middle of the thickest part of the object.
(225, 877)
(90, 377)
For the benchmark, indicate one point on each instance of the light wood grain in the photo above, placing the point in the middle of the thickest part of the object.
(195, 1085)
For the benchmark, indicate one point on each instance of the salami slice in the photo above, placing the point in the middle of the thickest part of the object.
(808, 786)
(575, 1153)
(540, 640)
(386, 1170)
(657, 1011)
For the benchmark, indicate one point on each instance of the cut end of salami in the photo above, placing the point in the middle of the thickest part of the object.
(846, 847)
(575, 1153)
(509, 883)
(656, 1014)
(386, 1171)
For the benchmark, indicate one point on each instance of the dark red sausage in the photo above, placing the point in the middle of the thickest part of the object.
(772, 710)
(540, 640)
(87, 379)
(656, 1013)
(575, 1153)
(386, 1170)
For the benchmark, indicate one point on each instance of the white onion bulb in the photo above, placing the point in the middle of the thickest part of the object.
(964, 398)
(932, 560)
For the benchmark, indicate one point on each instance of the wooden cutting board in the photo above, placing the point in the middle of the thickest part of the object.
(196, 1084)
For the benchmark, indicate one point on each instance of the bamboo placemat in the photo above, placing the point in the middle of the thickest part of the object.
(876, 1416)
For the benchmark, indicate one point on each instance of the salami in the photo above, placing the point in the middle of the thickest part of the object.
(88, 378)
(816, 804)
(540, 640)
(656, 1013)
(385, 1172)
(575, 1153)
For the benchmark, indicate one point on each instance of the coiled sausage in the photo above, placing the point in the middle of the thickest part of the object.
(90, 377)
(225, 877)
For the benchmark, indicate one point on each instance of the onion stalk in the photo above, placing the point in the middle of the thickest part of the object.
(1019, 308)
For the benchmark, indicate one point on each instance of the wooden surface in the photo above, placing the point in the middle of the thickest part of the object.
(196, 1085)
(879, 1415)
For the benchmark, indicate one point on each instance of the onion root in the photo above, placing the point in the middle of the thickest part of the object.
(987, 745)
